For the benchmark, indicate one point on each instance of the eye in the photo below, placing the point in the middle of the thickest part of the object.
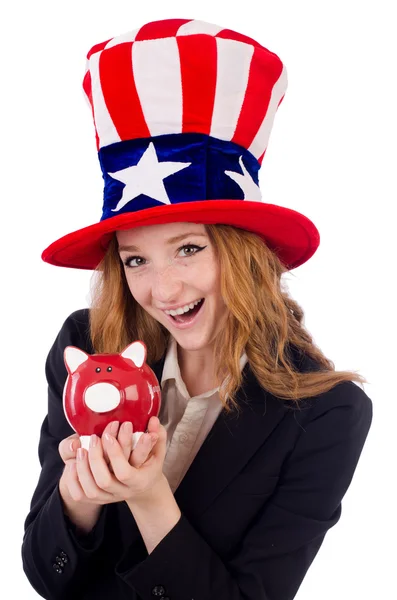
(109, 369)
(196, 249)
(98, 369)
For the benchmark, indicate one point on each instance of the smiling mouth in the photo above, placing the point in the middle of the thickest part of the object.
(187, 316)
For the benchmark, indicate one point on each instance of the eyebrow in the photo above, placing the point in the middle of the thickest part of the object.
(170, 241)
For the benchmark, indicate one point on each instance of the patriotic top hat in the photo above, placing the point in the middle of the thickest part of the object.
(183, 111)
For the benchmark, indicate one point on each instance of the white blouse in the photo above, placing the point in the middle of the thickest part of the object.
(187, 420)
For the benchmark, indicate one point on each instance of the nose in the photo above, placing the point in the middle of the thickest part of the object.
(167, 286)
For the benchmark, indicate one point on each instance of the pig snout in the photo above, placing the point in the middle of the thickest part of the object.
(102, 397)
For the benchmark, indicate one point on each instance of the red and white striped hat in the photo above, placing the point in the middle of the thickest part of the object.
(183, 112)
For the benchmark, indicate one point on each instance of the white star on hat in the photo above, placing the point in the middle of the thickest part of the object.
(250, 188)
(146, 177)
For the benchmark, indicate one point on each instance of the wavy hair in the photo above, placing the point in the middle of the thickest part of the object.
(262, 320)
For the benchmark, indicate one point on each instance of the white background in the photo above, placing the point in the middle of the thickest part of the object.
(331, 156)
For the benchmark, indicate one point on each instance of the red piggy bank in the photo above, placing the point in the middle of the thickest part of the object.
(101, 388)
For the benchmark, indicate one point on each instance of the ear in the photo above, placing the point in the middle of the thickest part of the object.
(135, 352)
(73, 358)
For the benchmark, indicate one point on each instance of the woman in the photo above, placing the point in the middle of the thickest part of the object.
(230, 493)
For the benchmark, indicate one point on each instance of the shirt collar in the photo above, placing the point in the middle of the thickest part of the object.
(171, 367)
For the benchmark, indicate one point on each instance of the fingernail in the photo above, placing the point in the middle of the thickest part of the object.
(71, 446)
(80, 453)
(154, 438)
(114, 428)
(109, 438)
(93, 440)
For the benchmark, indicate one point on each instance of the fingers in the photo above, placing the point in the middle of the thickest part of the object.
(67, 448)
(146, 443)
(81, 484)
(72, 482)
(157, 446)
(111, 428)
(142, 450)
(93, 475)
(125, 438)
(90, 478)
(159, 431)
(153, 425)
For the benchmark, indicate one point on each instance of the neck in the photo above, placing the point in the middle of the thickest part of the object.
(198, 370)
(196, 363)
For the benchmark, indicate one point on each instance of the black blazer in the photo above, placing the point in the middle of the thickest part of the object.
(256, 502)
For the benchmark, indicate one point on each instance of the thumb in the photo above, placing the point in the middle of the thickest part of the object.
(73, 444)
(68, 446)
(153, 425)
(160, 446)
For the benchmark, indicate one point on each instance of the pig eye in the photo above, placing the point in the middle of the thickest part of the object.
(109, 369)
(98, 369)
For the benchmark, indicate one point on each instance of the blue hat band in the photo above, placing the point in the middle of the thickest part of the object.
(168, 169)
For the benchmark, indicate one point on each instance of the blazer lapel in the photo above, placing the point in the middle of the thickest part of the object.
(229, 445)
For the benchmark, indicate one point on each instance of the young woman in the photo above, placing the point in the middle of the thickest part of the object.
(232, 489)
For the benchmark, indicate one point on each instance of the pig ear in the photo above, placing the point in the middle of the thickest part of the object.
(135, 352)
(73, 358)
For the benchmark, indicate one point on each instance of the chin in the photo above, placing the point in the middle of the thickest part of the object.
(192, 344)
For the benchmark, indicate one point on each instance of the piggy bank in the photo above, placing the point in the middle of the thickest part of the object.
(101, 388)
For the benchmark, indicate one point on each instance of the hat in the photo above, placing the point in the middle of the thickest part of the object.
(183, 111)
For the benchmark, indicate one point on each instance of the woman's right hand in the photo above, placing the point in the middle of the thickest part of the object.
(71, 489)
(83, 511)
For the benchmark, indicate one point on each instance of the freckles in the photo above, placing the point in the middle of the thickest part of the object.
(135, 289)
(133, 277)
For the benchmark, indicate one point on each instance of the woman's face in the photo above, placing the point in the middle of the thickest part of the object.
(162, 273)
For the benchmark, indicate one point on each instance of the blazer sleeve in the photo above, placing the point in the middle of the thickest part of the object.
(280, 545)
(54, 555)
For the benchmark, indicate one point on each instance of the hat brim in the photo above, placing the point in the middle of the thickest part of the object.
(291, 235)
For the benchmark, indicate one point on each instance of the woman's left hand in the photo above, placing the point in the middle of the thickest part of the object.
(130, 480)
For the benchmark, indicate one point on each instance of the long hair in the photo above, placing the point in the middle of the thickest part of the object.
(262, 320)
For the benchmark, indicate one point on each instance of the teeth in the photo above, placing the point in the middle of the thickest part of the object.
(183, 309)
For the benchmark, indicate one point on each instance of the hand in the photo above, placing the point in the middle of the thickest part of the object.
(139, 477)
(68, 447)
(108, 472)
(69, 486)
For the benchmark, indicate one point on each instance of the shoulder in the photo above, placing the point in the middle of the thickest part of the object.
(346, 393)
(75, 331)
(78, 319)
(340, 415)
(346, 404)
